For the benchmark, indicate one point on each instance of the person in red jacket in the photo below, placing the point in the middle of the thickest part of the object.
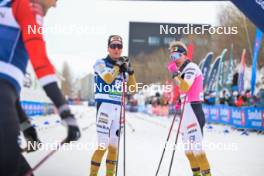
(18, 45)
(239, 102)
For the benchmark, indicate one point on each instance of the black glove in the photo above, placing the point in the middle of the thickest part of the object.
(122, 60)
(175, 74)
(32, 139)
(73, 130)
(125, 65)
(125, 59)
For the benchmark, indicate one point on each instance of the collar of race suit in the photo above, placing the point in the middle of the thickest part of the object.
(185, 63)
(109, 59)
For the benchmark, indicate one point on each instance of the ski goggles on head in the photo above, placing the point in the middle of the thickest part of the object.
(114, 46)
(175, 56)
(179, 49)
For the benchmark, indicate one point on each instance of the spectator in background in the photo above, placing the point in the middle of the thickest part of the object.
(158, 98)
(246, 97)
(260, 101)
(212, 98)
(239, 102)
(206, 97)
(155, 100)
(232, 99)
(222, 98)
(235, 82)
(253, 100)
(163, 101)
(133, 103)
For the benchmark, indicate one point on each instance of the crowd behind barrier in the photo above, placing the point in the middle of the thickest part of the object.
(32, 108)
(238, 117)
(238, 110)
(36, 108)
(251, 118)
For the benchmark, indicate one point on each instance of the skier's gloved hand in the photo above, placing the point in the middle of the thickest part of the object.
(125, 66)
(70, 122)
(172, 67)
(31, 136)
(122, 60)
(32, 139)
(176, 74)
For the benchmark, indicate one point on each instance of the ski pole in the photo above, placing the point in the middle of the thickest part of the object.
(177, 135)
(168, 137)
(29, 173)
(124, 119)
(122, 114)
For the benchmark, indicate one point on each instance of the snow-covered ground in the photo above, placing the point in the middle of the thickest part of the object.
(230, 154)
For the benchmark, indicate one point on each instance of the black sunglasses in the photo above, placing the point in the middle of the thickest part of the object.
(114, 46)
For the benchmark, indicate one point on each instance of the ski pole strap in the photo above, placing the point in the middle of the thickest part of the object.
(25, 125)
(63, 108)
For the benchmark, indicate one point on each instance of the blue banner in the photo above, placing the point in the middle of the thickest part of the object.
(230, 72)
(240, 118)
(220, 76)
(37, 109)
(212, 80)
(242, 72)
(254, 118)
(206, 110)
(257, 46)
(224, 114)
(253, 9)
(205, 68)
(214, 114)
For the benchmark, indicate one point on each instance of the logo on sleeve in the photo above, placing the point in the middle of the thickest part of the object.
(38, 10)
(39, 20)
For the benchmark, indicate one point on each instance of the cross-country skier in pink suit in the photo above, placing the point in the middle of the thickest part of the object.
(189, 78)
